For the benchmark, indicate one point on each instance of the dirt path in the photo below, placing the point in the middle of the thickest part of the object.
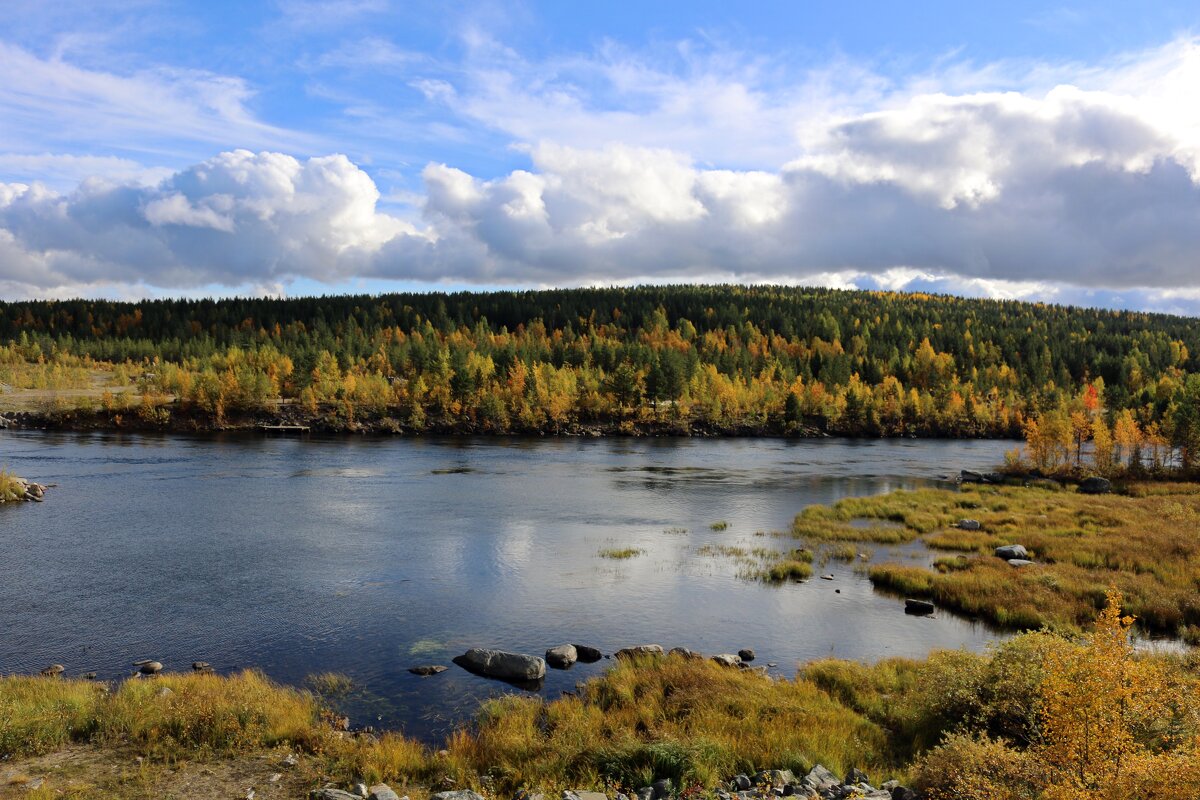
(100, 773)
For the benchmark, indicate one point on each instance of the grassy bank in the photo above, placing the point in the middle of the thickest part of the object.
(1145, 542)
(962, 725)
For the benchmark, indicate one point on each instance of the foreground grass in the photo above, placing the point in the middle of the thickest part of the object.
(954, 720)
(1146, 543)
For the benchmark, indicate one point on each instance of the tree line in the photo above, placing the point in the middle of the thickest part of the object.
(842, 362)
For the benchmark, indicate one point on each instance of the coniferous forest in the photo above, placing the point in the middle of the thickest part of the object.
(689, 357)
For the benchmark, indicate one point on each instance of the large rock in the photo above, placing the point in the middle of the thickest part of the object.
(1095, 486)
(502, 665)
(819, 780)
(1010, 551)
(969, 524)
(774, 778)
(727, 659)
(640, 651)
(588, 655)
(562, 657)
(746, 654)
(918, 607)
(150, 667)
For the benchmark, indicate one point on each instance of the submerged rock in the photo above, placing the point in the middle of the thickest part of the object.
(502, 665)
(427, 669)
(562, 657)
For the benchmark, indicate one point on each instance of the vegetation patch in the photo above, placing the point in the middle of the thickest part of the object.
(1143, 542)
(621, 554)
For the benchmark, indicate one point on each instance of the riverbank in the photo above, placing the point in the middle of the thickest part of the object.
(653, 726)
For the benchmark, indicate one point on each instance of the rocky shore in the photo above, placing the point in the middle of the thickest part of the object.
(26, 491)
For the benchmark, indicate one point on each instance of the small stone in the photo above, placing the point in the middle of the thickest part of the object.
(746, 654)
(427, 669)
(381, 791)
(290, 760)
(588, 655)
(164, 691)
(687, 652)
(457, 794)
(201, 666)
(740, 783)
(727, 659)
(969, 524)
(1020, 562)
(826, 577)
(662, 788)
(53, 671)
(249, 794)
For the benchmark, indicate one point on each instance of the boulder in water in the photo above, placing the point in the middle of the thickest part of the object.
(502, 665)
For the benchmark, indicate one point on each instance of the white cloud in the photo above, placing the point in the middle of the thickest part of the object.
(1068, 190)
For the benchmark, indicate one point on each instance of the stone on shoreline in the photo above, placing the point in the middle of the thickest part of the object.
(562, 657)
(588, 655)
(687, 652)
(746, 654)
(53, 671)
(640, 651)
(727, 660)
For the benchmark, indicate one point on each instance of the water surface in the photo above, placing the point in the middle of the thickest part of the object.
(368, 556)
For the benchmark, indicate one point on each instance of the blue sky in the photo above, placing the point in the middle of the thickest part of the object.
(306, 146)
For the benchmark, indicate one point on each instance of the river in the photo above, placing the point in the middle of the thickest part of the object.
(368, 556)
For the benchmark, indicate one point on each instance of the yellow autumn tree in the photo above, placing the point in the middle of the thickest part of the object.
(1105, 720)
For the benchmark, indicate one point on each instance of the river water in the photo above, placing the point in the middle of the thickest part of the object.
(368, 556)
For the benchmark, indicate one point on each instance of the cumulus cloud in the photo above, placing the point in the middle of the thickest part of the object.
(1067, 191)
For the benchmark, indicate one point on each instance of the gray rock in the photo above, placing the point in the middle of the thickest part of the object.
(427, 669)
(921, 607)
(1020, 562)
(1095, 486)
(775, 778)
(688, 653)
(576, 794)
(150, 667)
(740, 783)
(856, 776)
(53, 671)
(164, 691)
(201, 666)
(457, 794)
(970, 476)
(819, 779)
(329, 793)
(727, 659)
(381, 791)
(645, 793)
(1011, 551)
(969, 524)
(640, 651)
(499, 664)
(889, 785)
(360, 789)
(562, 657)
(746, 654)
(588, 655)
(662, 788)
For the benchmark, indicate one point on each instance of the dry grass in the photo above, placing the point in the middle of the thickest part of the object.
(11, 487)
(1146, 543)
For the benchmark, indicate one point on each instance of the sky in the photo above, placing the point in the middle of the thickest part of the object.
(1018, 150)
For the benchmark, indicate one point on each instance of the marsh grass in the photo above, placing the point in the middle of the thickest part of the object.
(11, 487)
(621, 554)
(720, 525)
(1145, 542)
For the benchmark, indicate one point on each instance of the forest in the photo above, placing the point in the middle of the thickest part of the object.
(707, 358)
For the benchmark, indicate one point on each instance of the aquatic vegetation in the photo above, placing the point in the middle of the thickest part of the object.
(720, 525)
(621, 554)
